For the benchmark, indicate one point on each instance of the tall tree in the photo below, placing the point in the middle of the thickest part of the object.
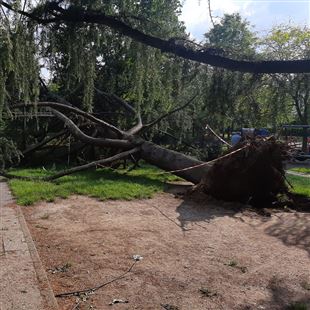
(284, 42)
(228, 92)
(18, 73)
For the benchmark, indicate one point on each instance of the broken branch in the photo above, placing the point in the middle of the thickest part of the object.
(77, 111)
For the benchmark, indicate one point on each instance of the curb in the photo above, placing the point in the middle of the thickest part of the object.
(44, 285)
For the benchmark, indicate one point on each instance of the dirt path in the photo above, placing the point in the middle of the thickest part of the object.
(195, 255)
(19, 285)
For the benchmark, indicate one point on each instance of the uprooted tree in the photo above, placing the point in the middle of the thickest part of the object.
(251, 172)
(70, 35)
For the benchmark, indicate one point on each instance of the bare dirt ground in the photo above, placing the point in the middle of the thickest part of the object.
(196, 255)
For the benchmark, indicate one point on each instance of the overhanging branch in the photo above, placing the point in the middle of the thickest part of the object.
(78, 15)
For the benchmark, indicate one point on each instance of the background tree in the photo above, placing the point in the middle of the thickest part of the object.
(18, 77)
(293, 88)
(227, 93)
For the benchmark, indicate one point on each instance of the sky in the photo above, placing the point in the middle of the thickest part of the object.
(262, 14)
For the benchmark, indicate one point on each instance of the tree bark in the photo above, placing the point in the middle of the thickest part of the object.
(169, 160)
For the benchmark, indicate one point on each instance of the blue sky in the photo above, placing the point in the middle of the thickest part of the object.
(262, 14)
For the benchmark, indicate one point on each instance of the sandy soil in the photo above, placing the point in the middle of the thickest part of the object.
(195, 255)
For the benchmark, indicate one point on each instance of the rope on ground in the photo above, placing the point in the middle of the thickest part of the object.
(93, 289)
(216, 135)
(202, 164)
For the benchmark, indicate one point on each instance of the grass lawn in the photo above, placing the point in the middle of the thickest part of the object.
(107, 184)
(102, 183)
(301, 184)
(301, 170)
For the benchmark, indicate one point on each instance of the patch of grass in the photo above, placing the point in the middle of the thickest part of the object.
(102, 184)
(301, 184)
(234, 264)
(206, 292)
(298, 306)
(301, 170)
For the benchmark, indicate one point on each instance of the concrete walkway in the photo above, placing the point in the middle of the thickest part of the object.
(23, 282)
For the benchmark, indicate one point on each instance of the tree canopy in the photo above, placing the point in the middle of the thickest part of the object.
(60, 12)
(130, 62)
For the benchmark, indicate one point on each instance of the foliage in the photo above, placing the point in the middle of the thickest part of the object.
(293, 90)
(300, 184)
(82, 58)
(102, 183)
(78, 55)
(227, 102)
(302, 170)
(18, 74)
(232, 36)
(8, 152)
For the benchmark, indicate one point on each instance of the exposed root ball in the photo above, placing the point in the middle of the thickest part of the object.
(254, 174)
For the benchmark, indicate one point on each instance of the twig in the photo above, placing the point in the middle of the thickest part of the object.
(76, 305)
(210, 13)
(93, 289)
(168, 218)
(116, 99)
(171, 112)
(178, 139)
(21, 16)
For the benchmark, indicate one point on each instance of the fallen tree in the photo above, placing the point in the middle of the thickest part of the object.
(251, 172)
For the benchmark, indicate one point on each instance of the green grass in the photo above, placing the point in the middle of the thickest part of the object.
(298, 306)
(102, 184)
(107, 184)
(301, 184)
(301, 170)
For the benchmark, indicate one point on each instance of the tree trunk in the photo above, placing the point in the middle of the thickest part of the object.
(305, 140)
(170, 160)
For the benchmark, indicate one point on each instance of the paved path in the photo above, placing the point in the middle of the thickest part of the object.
(23, 284)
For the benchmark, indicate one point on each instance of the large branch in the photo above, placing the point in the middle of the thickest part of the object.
(79, 134)
(75, 169)
(77, 111)
(100, 162)
(52, 95)
(138, 127)
(79, 15)
(33, 148)
(112, 98)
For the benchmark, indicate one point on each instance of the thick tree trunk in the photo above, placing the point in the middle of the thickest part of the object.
(170, 160)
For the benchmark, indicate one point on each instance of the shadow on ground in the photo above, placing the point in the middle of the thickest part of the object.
(293, 230)
(197, 208)
(284, 297)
